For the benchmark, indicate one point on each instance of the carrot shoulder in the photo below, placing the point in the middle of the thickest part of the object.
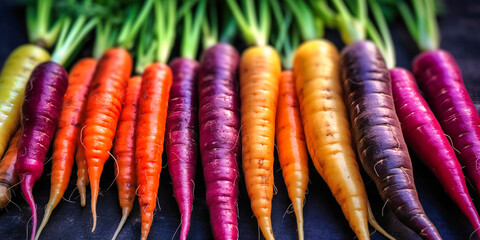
(102, 112)
(259, 73)
(151, 118)
(291, 146)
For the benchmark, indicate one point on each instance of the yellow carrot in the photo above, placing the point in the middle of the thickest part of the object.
(327, 129)
(259, 73)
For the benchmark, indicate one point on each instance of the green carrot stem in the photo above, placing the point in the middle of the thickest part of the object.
(191, 32)
(386, 43)
(186, 7)
(229, 31)
(64, 49)
(253, 32)
(351, 29)
(165, 21)
(104, 37)
(408, 19)
(422, 25)
(38, 24)
(305, 19)
(145, 55)
(128, 34)
(325, 13)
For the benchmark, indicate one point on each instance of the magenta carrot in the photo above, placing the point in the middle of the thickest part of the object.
(182, 136)
(40, 116)
(182, 118)
(424, 134)
(219, 120)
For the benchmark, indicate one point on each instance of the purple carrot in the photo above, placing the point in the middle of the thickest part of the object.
(219, 118)
(182, 135)
(424, 134)
(440, 79)
(40, 115)
(378, 135)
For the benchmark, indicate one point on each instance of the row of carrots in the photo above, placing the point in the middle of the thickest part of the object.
(328, 101)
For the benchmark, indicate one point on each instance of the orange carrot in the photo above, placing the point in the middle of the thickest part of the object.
(124, 150)
(104, 104)
(152, 114)
(259, 73)
(8, 177)
(65, 143)
(291, 146)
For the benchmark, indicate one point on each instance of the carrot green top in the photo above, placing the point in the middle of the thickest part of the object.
(210, 28)
(71, 36)
(255, 31)
(382, 39)
(191, 32)
(286, 42)
(423, 25)
(352, 28)
(158, 32)
(38, 24)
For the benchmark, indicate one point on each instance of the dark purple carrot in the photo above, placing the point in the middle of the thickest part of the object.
(182, 136)
(219, 119)
(424, 134)
(40, 116)
(378, 135)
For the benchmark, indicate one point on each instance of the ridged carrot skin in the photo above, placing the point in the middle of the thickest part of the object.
(124, 150)
(440, 79)
(260, 70)
(40, 116)
(219, 121)
(378, 134)
(13, 79)
(327, 129)
(151, 118)
(291, 145)
(66, 136)
(8, 176)
(182, 136)
(102, 111)
(424, 134)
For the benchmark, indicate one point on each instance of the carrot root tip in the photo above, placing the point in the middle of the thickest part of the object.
(125, 213)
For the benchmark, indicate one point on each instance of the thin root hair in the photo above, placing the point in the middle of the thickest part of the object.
(176, 230)
(383, 208)
(116, 172)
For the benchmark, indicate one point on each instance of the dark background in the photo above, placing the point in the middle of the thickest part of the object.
(460, 30)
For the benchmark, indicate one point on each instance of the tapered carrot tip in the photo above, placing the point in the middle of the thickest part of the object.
(185, 225)
(4, 195)
(94, 209)
(298, 208)
(27, 186)
(46, 216)
(265, 224)
(145, 230)
(125, 213)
